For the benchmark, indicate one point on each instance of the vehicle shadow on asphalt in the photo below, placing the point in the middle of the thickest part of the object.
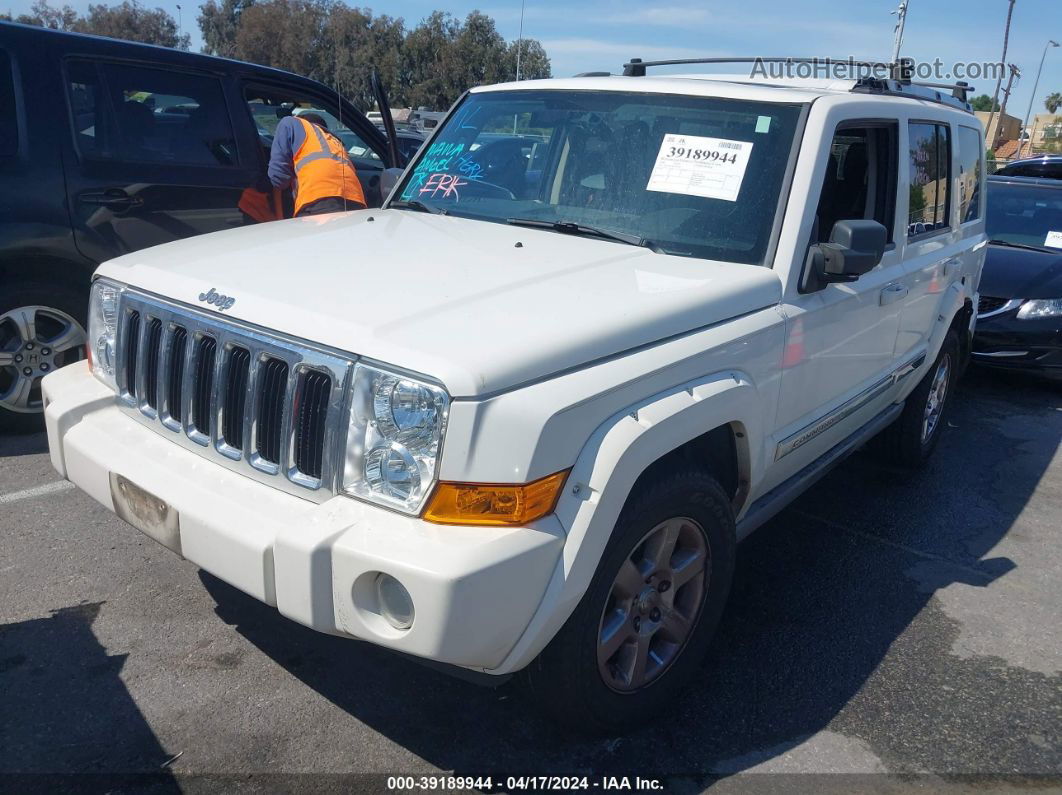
(23, 444)
(67, 720)
(822, 616)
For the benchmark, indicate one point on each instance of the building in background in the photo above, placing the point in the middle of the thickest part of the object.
(1008, 127)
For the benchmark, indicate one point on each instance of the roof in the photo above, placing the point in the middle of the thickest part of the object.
(152, 52)
(736, 86)
(702, 85)
(1007, 149)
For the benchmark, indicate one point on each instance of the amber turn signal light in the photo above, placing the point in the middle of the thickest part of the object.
(494, 504)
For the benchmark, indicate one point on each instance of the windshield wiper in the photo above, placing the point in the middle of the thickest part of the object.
(1025, 246)
(573, 228)
(416, 204)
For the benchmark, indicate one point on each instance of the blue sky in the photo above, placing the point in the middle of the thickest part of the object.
(602, 34)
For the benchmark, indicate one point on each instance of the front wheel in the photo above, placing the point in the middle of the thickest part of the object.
(644, 624)
(41, 329)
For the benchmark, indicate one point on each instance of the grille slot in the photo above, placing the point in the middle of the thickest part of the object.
(311, 406)
(263, 405)
(174, 403)
(988, 303)
(203, 384)
(235, 397)
(151, 365)
(272, 391)
(132, 341)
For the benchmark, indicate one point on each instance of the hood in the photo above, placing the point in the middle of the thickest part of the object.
(1020, 273)
(479, 306)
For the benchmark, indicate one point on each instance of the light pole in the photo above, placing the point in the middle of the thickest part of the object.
(180, 27)
(1032, 97)
(520, 41)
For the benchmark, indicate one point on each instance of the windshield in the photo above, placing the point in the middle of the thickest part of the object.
(696, 176)
(1029, 215)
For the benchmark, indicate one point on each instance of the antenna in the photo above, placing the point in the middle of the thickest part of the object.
(901, 18)
(339, 109)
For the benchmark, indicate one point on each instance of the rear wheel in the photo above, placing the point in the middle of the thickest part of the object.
(41, 329)
(644, 624)
(910, 440)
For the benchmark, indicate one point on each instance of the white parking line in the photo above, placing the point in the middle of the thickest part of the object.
(36, 491)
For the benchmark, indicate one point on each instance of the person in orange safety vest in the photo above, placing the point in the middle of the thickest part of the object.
(315, 164)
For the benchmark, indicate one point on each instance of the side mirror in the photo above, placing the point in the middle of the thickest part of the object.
(388, 179)
(855, 248)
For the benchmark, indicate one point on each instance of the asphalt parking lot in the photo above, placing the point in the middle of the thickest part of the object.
(883, 624)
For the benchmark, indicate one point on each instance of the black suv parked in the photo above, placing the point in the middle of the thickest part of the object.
(108, 147)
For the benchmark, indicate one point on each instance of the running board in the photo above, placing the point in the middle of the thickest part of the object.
(781, 495)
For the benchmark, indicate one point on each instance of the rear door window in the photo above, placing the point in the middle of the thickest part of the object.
(929, 201)
(142, 115)
(8, 110)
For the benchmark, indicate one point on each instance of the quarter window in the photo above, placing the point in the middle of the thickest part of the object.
(929, 163)
(970, 160)
(8, 117)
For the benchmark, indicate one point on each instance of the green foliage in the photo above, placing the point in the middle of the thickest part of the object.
(339, 45)
(129, 20)
(1053, 102)
(983, 102)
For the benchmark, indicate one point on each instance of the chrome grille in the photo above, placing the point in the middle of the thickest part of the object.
(263, 405)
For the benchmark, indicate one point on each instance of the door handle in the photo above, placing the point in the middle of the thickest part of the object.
(894, 292)
(117, 199)
(951, 266)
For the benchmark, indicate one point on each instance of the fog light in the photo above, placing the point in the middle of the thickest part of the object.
(396, 605)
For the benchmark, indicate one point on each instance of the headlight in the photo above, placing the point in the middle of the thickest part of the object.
(1040, 307)
(103, 329)
(396, 428)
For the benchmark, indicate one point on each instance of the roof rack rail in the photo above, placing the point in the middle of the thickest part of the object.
(898, 83)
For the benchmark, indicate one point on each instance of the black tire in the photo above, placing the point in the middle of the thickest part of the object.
(56, 298)
(565, 679)
(905, 443)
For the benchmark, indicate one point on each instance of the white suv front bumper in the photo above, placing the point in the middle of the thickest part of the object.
(474, 589)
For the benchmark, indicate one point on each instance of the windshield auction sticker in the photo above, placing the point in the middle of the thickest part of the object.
(1054, 239)
(698, 166)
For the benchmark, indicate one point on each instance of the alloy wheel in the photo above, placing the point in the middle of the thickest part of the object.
(34, 341)
(938, 392)
(653, 605)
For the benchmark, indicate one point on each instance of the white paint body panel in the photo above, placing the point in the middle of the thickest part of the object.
(562, 353)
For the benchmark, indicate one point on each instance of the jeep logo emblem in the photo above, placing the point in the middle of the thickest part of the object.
(222, 302)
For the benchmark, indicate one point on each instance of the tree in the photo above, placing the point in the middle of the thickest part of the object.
(340, 45)
(427, 56)
(355, 42)
(983, 102)
(286, 34)
(129, 21)
(45, 16)
(534, 63)
(133, 22)
(1053, 102)
(219, 23)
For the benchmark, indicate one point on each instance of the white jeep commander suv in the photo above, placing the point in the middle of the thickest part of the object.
(519, 418)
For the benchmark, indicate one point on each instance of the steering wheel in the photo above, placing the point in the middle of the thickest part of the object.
(503, 163)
